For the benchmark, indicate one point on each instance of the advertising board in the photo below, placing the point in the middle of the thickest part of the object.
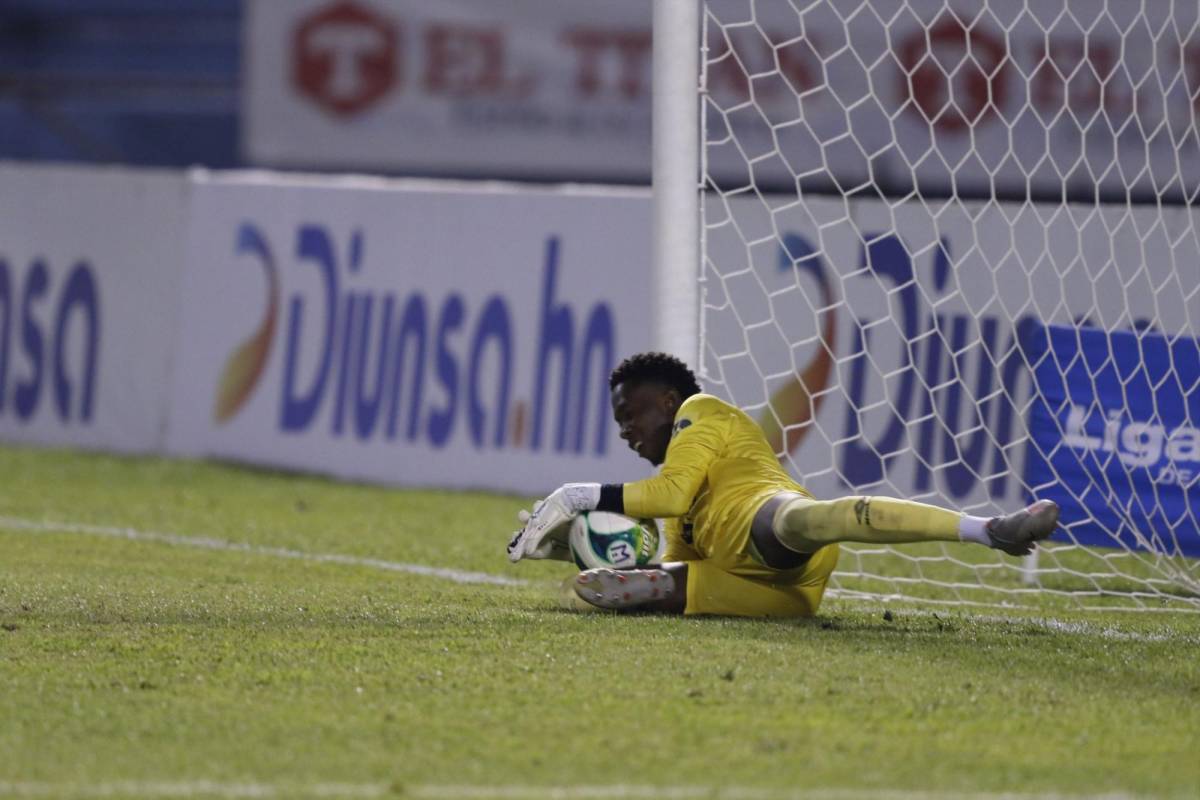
(1113, 434)
(1011, 98)
(424, 337)
(880, 347)
(90, 264)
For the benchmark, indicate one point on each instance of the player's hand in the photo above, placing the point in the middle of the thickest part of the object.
(555, 544)
(550, 522)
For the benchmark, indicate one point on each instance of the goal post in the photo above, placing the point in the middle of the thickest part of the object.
(676, 175)
(948, 252)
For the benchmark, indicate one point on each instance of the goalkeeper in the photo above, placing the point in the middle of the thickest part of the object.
(742, 538)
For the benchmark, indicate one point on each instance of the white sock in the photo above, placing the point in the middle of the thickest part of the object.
(973, 529)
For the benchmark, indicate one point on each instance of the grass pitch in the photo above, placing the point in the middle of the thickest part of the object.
(192, 630)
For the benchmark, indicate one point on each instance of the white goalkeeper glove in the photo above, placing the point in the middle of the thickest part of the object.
(555, 544)
(544, 532)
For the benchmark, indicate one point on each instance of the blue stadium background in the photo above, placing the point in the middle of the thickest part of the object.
(150, 82)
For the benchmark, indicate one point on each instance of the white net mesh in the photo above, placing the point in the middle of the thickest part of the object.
(950, 254)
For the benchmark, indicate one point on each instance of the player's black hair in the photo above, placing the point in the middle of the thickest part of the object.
(658, 367)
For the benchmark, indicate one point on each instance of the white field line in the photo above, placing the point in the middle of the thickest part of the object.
(198, 789)
(238, 790)
(462, 576)
(208, 543)
(1059, 626)
(1054, 626)
(627, 792)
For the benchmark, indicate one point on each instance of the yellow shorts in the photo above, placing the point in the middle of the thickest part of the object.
(746, 588)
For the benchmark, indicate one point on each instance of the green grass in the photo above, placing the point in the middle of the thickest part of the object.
(143, 668)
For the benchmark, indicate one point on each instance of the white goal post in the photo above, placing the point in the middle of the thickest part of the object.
(948, 250)
(675, 170)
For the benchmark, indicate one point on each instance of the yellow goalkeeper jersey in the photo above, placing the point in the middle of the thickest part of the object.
(718, 471)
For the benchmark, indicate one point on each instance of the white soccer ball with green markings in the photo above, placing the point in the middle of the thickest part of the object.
(605, 539)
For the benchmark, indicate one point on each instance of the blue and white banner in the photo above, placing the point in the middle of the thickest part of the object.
(409, 334)
(1113, 434)
(90, 267)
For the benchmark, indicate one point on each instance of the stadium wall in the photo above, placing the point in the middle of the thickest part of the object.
(459, 335)
(89, 294)
(421, 335)
(562, 91)
(410, 333)
(915, 331)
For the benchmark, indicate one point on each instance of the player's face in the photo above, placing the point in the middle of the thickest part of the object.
(645, 413)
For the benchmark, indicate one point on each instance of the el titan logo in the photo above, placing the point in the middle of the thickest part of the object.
(344, 57)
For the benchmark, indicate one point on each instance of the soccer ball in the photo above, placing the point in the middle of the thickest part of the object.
(604, 539)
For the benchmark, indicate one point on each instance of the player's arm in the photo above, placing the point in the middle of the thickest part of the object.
(699, 440)
(701, 431)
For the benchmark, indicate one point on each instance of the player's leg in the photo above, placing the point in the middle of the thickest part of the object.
(803, 525)
(712, 590)
(701, 587)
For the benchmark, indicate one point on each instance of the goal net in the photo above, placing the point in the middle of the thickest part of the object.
(950, 254)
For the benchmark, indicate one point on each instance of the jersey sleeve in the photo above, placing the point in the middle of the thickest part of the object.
(700, 434)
